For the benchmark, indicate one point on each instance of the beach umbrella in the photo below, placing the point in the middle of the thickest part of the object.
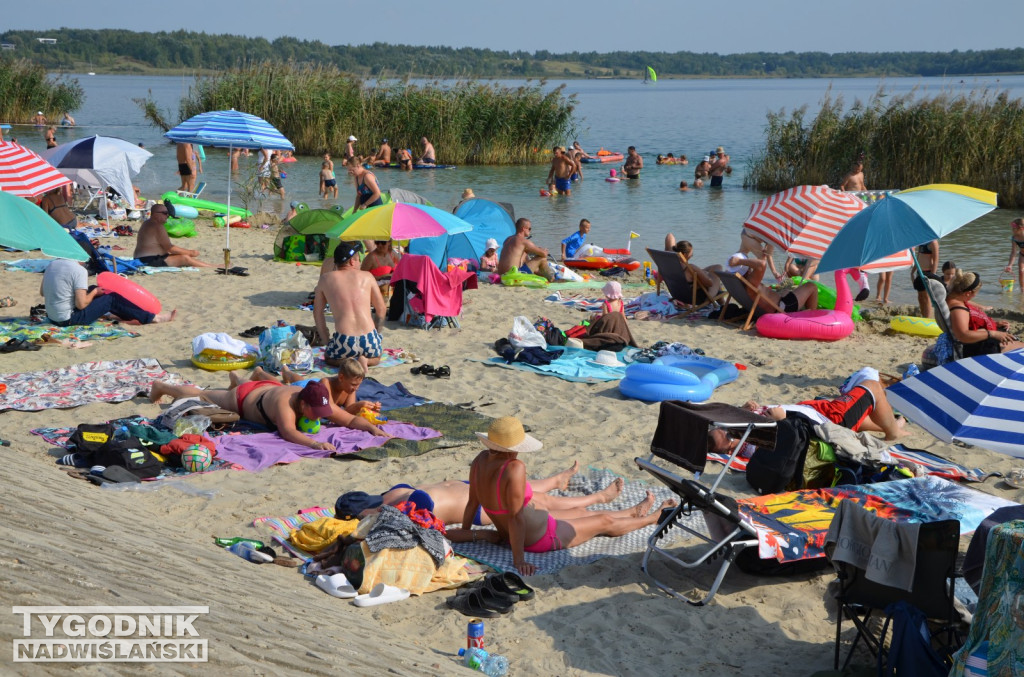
(24, 226)
(489, 220)
(398, 221)
(803, 221)
(976, 400)
(25, 174)
(229, 129)
(100, 161)
(904, 220)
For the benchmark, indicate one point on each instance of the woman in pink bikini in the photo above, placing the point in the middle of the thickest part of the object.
(497, 483)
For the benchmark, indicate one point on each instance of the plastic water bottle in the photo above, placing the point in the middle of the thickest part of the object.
(228, 542)
(481, 661)
(912, 370)
(245, 550)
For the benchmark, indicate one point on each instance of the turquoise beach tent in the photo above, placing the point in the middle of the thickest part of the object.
(489, 219)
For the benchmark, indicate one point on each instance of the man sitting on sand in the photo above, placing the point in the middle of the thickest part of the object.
(351, 293)
(70, 301)
(516, 253)
(271, 403)
(154, 247)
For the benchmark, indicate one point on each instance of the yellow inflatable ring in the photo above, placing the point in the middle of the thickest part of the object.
(918, 326)
(216, 360)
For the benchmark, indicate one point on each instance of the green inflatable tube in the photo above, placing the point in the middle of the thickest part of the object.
(827, 298)
(178, 227)
(204, 205)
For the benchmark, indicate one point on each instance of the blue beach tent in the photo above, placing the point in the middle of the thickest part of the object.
(489, 219)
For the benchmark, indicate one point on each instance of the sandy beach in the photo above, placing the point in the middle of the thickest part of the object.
(66, 542)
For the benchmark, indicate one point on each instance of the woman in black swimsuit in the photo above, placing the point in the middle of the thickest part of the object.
(1017, 250)
(367, 188)
(963, 289)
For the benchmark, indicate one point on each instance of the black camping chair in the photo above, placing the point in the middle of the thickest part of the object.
(931, 590)
(681, 439)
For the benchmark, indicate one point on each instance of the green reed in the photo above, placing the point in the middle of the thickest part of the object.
(26, 89)
(318, 106)
(974, 138)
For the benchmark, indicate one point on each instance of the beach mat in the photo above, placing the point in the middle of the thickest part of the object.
(81, 384)
(23, 328)
(576, 365)
(458, 427)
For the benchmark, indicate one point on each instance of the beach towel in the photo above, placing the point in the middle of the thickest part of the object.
(459, 425)
(80, 384)
(654, 307)
(26, 329)
(262, 450)
(575, 364)
(391, 357)
(28, 265)
(609, 332)
(583, 483)
(885, 550)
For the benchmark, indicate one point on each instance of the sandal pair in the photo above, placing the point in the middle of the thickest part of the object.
(16, 344)
(443, 371)
(252, 332)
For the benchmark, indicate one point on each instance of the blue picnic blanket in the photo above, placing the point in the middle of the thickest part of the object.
(575, 364)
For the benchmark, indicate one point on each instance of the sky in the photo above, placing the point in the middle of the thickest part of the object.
(722, 26)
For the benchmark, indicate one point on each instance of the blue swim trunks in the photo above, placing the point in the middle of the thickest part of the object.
(368, 345)
(563, 184)
(525, 269)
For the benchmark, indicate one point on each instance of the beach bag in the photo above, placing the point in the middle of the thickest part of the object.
(283, 346)
(89, 438)
(131, 455)
(525, 335)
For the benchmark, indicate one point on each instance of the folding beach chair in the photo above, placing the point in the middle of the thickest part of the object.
(681, 439)
(938, 297)
(438, 299)
(860, 597)
(746, 295)
(200, 187)
(672, 267)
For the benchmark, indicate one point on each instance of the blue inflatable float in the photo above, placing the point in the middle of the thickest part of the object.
(690, 378)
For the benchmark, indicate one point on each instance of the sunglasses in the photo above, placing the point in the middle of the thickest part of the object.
(160, 212)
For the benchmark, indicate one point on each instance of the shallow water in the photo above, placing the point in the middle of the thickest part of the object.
(679, 116)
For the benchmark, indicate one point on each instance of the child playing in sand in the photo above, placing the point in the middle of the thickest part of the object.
(1017, 250)
(489, 261)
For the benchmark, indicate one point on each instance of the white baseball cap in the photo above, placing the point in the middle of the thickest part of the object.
(491, 244)
(352, 138)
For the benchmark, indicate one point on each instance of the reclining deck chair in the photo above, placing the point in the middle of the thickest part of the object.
(672, 267)
(200, 187)
(438, 298)
(681, 439)
(861, 594)
(746, 295)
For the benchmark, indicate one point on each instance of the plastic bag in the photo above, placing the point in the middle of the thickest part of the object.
(565, 274)
(191, 425)
(292, 351)
(525, 335)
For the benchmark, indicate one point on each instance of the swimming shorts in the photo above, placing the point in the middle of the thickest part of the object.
(575, 177)
(245, 389)
(341, 346)
(158, 261)
(276, 181)
(549, 541)
(525, 269)
(789, 303)
(632, 176)
(330, 183)
(563, 184)
(849, 411)
(716, 181)
(184, 169)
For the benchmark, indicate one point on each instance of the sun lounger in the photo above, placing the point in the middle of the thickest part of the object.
(200, 187)
(746, 295)
(672, 267)
(681, 439)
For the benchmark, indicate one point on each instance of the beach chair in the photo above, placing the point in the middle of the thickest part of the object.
(938, 296)
(931, 591)
(746, 296)
(200, 187)
(672, 267)
(437, 301)
(681, 439)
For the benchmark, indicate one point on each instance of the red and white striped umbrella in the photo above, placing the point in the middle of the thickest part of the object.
(804, 220)
(25, 174)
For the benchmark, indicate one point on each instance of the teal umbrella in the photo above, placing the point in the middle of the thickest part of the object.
(25, 227)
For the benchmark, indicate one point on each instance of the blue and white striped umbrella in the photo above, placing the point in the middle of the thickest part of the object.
(977, 400)
(229, 129)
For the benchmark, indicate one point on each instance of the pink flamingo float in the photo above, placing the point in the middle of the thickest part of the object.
(814, 325)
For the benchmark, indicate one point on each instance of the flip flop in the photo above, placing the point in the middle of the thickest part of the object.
(443, 371)
(237, 270)
(15, 344)
(336, 586)
(480, 602)
(252, 332)
(382, 593)
(424, 369)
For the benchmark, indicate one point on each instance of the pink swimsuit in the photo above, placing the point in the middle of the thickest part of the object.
(546, 543)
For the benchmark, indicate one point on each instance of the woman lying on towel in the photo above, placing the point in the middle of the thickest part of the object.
(497, 483)
(448, 499)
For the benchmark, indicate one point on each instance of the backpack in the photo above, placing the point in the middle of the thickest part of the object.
(89, 438)
(131, 455)
(781, 468)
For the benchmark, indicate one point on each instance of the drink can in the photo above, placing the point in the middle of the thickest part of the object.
(475, 634)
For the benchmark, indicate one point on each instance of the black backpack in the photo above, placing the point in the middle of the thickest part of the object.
(130, 454)
(89, 438)
(770, 471)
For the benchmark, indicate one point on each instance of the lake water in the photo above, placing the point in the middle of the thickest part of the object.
(679, 116)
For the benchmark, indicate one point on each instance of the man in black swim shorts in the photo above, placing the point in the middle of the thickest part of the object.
(154, 248)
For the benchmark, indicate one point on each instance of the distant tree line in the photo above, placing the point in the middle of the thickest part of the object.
(120, 50)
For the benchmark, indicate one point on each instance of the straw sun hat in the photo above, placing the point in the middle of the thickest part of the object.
(507, 434)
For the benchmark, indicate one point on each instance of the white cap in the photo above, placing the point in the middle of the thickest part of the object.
(352, 138)
(707, 158)
(491, 244)
(39, 112)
